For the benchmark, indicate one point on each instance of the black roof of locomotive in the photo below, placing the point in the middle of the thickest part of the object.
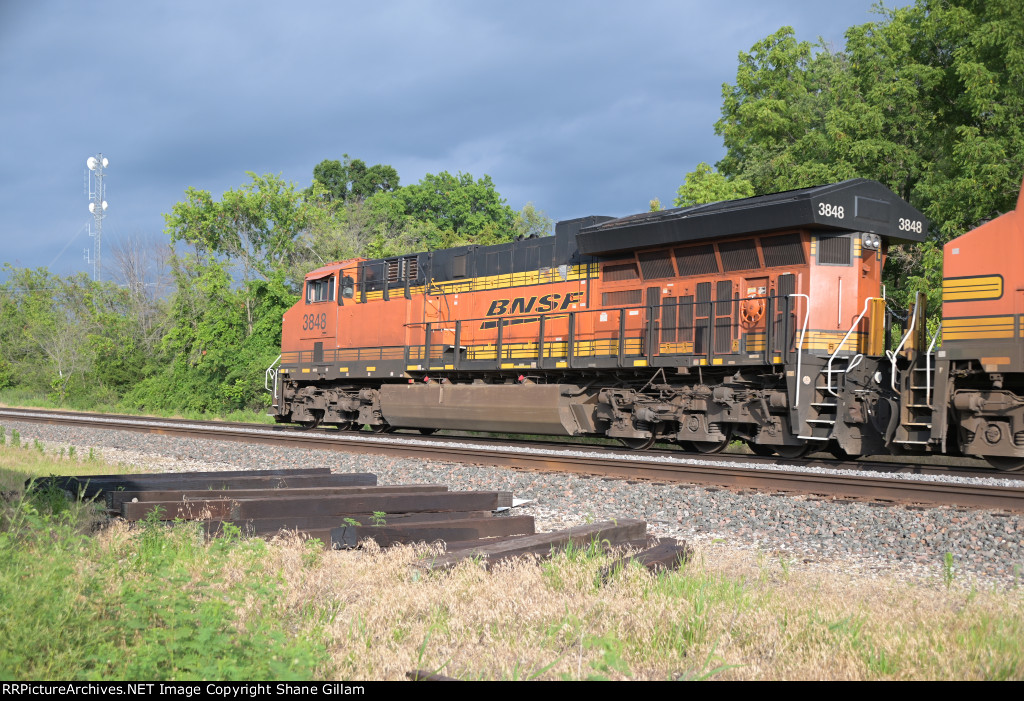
(868, 206)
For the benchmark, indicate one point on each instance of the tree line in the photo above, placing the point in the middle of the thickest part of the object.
(190, 323)
(929, 100)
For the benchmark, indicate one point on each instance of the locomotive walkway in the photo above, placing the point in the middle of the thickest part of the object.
(728, 471)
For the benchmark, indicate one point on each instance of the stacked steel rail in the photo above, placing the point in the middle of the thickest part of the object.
(344, 510)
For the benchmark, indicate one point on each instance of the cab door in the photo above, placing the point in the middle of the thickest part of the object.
(753, 313)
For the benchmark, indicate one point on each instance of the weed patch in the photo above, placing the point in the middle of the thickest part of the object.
(153, 602)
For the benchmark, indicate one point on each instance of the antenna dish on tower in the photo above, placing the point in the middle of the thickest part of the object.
(97, 205)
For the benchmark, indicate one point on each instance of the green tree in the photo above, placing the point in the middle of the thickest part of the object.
(775, 119)
(530, 221)
(230, 261)
(53, 331)
(460, 209)
(351, 180)
(928, 100)
(969, 122)
(705, 185)
(254, 227)
(359, 211)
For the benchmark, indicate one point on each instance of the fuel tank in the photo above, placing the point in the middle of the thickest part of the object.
(555, 409)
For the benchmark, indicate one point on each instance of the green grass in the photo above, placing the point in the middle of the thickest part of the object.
(31, 400)
(154, 603)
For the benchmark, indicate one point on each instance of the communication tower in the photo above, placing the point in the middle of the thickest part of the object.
(98, 207)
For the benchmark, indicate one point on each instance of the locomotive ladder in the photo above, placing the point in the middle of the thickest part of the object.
(920, 386)
(823, 410)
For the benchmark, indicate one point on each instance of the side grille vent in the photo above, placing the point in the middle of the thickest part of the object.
(656, 265)
(723, 298)
(739, 255)
(697, 260)
(621, 271)
(622, 298)
(835, 250)
(782, 250)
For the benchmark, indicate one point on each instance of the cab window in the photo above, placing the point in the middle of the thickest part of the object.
(321, 290)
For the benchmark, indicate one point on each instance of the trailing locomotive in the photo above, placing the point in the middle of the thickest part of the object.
(762, 319)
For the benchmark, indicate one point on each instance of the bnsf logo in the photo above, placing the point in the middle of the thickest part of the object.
(522, 305)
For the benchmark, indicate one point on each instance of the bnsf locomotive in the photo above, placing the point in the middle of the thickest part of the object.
(762, 319)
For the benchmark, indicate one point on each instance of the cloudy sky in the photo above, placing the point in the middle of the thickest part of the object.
(582, 107)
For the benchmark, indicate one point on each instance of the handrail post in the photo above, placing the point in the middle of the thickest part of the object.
(270, 371)
(928, 368)
(651, 335)
(497, 347)
(426, 347)
(711, 331)
(458, 344)
(571, 350)
(540, 342)
(622, 336)
(828, 371)
(894, 354)
(800, 347)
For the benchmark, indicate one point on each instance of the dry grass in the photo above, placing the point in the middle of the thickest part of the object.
(736, 616)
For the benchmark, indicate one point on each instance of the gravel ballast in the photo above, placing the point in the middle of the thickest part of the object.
(859, 539)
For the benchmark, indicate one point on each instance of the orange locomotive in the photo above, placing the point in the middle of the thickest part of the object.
(761, 319)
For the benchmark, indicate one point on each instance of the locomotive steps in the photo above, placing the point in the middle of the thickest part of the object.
(342, 510)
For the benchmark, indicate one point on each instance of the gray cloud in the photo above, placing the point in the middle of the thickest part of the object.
(579, 107)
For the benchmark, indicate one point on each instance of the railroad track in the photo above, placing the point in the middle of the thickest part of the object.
(888, 483)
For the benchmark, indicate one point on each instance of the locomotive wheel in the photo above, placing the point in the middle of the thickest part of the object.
(765, 451)
(638, 443)
(1005, 464)
(791, 452)
(428, 431)
(838, 453)
(318, 416)
(343, 426)
(709, 447)
(381, 428)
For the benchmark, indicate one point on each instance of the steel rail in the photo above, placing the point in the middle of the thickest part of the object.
(972, 468)
(699, 470)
